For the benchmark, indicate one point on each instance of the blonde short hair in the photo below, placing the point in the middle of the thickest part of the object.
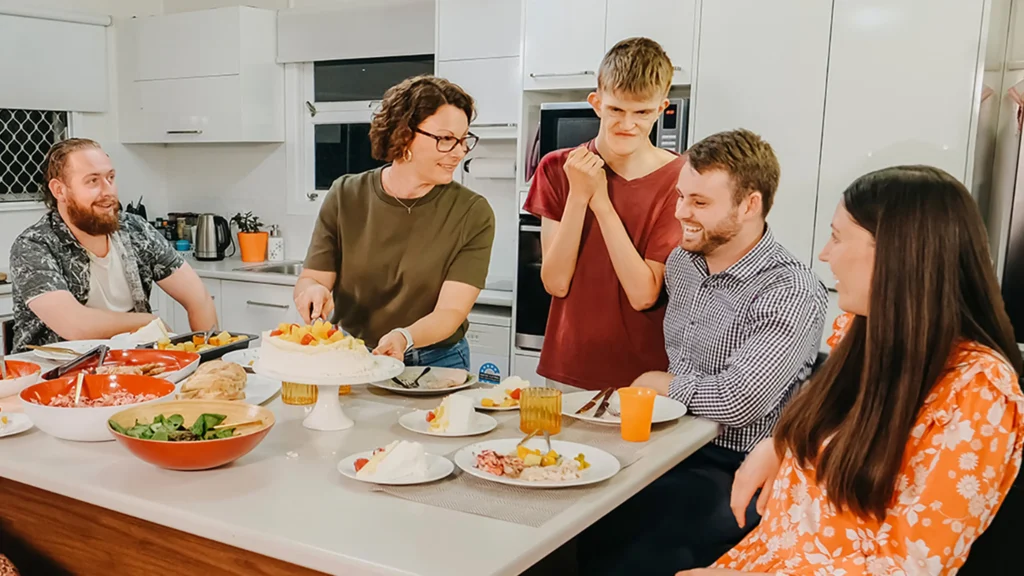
(637, 67)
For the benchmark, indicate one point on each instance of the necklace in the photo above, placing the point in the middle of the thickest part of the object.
(408, 207)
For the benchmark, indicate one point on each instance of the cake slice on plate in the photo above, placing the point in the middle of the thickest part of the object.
(399, 460)
(453, 416)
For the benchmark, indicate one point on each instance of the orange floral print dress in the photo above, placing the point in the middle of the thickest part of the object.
(961, 459)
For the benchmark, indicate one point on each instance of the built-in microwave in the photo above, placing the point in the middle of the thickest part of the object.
(569, 124)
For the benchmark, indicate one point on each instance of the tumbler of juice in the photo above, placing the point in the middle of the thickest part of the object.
(298, 394)
(540, 409)
(637, 408)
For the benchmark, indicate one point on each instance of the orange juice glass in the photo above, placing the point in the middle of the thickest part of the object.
(344, 390)
(298, 394)
(540, 409)
(637, 408)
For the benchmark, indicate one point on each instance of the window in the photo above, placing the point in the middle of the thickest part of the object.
(25, 138)
(331, 105)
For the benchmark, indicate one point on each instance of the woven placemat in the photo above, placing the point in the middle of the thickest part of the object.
(527, 506)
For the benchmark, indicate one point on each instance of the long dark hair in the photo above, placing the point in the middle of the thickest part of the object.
(933, 284)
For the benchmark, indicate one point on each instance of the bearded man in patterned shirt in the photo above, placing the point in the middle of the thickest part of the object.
(85, 269)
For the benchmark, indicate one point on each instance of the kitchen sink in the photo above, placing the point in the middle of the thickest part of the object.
(286, 268)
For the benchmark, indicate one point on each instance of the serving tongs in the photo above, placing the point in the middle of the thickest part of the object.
(99, 352)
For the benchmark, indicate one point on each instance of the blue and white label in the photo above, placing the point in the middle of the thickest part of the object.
(490, 374)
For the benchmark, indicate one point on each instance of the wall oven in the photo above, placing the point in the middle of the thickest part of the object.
(532, 301)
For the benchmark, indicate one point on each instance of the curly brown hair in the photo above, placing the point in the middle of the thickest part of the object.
(405, 106)
(746, 157)
(57, 162)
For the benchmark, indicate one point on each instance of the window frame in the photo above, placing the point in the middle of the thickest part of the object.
(34, 204)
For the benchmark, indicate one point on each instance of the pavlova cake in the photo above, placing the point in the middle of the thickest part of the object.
(453, 416)
(400, 460)
(314, 352)
(506, 394)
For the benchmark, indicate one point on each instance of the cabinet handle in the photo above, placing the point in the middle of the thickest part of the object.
(494, 125)
(529, 228)
(184, 131)
(563, 74)
(312, 196)
(267, 305)
(677, 68)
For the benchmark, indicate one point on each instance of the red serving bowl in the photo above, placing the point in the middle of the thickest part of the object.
(86, 424)
(19, 375)
(176, 364)
(200, 454)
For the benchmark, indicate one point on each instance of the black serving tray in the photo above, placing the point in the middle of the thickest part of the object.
(212, 353)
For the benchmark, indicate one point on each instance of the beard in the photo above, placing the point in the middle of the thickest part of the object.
(711, 238)
(94, 221)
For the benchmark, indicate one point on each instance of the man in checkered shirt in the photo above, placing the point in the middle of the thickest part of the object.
(742, 332)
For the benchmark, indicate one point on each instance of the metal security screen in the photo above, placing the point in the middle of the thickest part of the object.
(25, 137)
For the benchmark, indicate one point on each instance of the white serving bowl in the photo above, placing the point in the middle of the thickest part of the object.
(21, 374)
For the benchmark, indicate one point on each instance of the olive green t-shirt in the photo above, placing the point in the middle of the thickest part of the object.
(391, 260)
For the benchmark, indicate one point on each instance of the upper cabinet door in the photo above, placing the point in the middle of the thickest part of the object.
(668, 22)
(901, 88)
(188, 44)
(470, 29)
(564, 43)
(741, 84)
(494, 84)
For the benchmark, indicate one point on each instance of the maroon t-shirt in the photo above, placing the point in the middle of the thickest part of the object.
(594, 338)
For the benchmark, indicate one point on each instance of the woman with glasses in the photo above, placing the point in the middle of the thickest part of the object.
(400, 253)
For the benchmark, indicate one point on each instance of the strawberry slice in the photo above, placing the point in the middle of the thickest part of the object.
(515, 393)
(360, 463)
(331, 332)
(276, 333)
(431, 416)
(307, 339)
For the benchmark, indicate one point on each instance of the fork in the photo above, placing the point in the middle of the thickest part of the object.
(547, 438)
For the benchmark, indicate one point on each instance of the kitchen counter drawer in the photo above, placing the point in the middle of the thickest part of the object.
(254, 308)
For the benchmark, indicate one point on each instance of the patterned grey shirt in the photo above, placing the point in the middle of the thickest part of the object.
(740, 342)
(48, 258)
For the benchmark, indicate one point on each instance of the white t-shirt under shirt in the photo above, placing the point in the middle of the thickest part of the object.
(108, 285)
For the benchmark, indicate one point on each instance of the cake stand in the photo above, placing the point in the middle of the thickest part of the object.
(327, 414)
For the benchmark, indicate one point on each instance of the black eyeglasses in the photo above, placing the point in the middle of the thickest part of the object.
(448, 143)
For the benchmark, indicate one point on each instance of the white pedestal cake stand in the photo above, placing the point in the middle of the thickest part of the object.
(327, 414)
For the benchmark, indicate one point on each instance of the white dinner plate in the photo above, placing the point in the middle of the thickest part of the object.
(602, 464)
(246, 357)
(417, 422)
(428, 385)
(79, 346)
(16, 423)
(438, 467)
(478, 394)
(665, 409)
(258, 389)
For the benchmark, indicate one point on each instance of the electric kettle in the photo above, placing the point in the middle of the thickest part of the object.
(213, 237)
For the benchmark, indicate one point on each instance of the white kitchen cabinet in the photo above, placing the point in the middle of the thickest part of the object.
(174, 315)
(205, 76)
(472, 29)
(901, 85)
(671, 24)
(564, 43)
(188, 44)
(740, 84)
(495, 84)
(252, 308)
(525, 367)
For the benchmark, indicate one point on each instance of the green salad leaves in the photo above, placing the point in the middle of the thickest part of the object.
(171, 428)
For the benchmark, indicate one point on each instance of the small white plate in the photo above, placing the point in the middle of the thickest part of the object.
(438, 467)
(433, 377)
(79, 346)
(417, 422)
(246, 357)
(665, 409)
(16, 423)
(478, 394)
(602, 464)
(259, 389)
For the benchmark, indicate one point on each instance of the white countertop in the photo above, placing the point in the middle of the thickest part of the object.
(5, 289)
(228, 269)
(301, 510)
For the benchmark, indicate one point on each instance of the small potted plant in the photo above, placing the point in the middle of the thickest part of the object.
(252, 241)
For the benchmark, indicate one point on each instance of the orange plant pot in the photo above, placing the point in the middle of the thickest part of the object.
(253, 246)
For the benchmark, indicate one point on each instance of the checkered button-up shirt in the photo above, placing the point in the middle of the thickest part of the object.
(741, 341)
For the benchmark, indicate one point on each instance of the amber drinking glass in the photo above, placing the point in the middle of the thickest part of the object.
(298, 394)
(540, 410)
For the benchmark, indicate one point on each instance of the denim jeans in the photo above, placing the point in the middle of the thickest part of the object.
(454, 356)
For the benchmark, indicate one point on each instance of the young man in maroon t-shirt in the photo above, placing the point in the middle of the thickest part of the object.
(608, 225)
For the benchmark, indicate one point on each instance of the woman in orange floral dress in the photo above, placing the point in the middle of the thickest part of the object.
(895, 457)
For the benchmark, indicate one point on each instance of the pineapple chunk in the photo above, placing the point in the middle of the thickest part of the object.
(320, 329)
(336, 337)
(533, 460)
(487, 402)
(190, 347)
(522, 452)
(549, 459)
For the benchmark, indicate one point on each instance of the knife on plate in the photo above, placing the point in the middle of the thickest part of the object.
(604, 403)
(593, 401)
